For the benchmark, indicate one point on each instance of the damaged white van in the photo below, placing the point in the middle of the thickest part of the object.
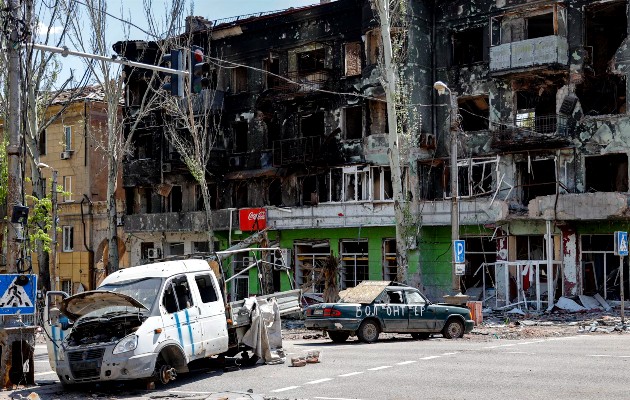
(145, 322)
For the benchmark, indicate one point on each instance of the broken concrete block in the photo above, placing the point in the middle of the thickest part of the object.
(603, 302)
(569, 305)
(590, 303)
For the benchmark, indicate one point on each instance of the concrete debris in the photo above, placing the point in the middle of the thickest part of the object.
(564, 303)
(516, 311)
(603, 302)
(590, 303)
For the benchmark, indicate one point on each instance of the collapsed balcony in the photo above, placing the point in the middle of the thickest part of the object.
(549, 131)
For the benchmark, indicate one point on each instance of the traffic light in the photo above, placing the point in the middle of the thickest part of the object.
(176, 84)
(198, 70)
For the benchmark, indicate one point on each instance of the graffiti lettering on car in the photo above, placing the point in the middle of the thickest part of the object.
(389, 310)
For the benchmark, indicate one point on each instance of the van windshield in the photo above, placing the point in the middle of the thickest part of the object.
(145, 290)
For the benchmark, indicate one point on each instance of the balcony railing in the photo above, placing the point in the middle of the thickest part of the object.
(552, 130)
(529, 53)
(296, 151)
(303, 81)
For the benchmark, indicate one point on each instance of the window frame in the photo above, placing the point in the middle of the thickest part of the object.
(67, 240)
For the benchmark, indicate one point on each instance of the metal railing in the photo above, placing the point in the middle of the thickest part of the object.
(303, 81)
(296, 151)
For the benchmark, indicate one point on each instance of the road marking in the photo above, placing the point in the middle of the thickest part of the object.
(318, 381)
(44, 373)
(450, 354)
(379, 368)
(599, 355)
(189, 391)
(334, 398)
(430, 357)
(352, 374)
(406, 362)
(285, 389)
(518, 352)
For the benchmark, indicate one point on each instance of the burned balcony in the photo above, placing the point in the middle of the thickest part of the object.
(194, 221)
(303, 81)
(296, 151)
(141, 172)
(550, 131)
(529, 53)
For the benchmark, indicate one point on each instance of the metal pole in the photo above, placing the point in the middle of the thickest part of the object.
(53, 253)
(454, 187)
(622, 288)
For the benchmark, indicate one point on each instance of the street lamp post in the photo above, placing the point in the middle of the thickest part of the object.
(53, 253)
(442, 88)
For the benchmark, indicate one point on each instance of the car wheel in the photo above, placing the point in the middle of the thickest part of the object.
(368, 332)
(421, 335)
(338, 337)
(454, 329)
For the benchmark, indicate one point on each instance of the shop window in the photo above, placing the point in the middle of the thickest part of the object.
(310, 258)
(352, 58)
(600, 266)
(606, 173)
(354, 262)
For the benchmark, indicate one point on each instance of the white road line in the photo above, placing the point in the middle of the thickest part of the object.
(430, 357)
(517, 352)
(379, 368)
(333, 398)
(450, 354)
(352, 374)
(189, 391)
(406, 362)
(44, 373)
(285, 389)
(599, 355)
(318, 381)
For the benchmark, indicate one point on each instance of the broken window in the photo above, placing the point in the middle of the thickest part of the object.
(475, 113)
(312, 124)
(382, 183)
(536, 109)
(175, 249)
(356, 181)
(475, 176)
(177, 296)
(212, 191)
(272, 66)
(354, 262)
(240, 129)
(241, 194)
(207, 291)
(468, 46)
(353, 122)
(432, 181)
(314, 189)
(600, 266)
(540, 25)
(479, 250)
(275, 193)
(537, 178)
(390, 265)
(310, 61)
(200, 247)
(374, 45)
(377, 117)
(310, 258)
(175, 199)
(239, 80)
(530, 247)
(352, 58)
(606, 173)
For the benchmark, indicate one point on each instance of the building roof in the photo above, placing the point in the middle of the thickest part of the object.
(94, 93)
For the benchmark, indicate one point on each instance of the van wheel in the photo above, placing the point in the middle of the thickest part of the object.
(164, 373)
(368, 332)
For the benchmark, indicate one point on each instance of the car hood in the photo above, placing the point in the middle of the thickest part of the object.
(83, 303)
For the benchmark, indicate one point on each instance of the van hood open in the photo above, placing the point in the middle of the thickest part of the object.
(74, 307)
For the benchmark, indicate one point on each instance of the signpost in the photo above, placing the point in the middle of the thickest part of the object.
(459, 250)
(621, 250)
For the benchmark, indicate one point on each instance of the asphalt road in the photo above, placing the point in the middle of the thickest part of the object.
(590, 366)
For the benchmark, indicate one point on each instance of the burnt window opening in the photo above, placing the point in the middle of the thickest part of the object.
(314, 189)
(475, 113)
(239, 80)
(275, 193)
(468, 46)
(201, 247)
(240, 129)
(540, 26)
(537, 178)
(353, 122)
(130, 197)
(390, 264)
(136, 91)
(272, 66)
(146, 201)
(382, 183)
(606, 173)
(240, 194)
(354, 262)
(310, 61)
(336, 184)
(352, 53)
(310, 260)
(312, 124)
(212, 191)
(175, 248)
(530, 247)
(475, 177)
(432, 186)
(175, 200)
(536, 110)
(377, 117)
(145, 146)
(374, 46)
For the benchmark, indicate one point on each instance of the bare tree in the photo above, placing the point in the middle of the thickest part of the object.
(109, 77)
(393, 18)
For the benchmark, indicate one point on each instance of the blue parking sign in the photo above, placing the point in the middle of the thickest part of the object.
(459, 248)
(621, 243)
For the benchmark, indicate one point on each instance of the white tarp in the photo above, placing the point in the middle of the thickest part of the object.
(265, 334)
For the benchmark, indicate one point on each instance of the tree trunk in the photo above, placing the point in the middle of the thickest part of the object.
(208, 209)
(112, 173)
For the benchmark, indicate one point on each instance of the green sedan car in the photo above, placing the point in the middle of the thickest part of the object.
(373, 307)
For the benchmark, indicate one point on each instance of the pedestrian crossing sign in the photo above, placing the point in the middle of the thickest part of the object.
(17, 294)
(621, 243)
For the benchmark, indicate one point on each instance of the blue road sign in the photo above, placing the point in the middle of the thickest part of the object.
(621, 243)
(17, 294)
(459, 247)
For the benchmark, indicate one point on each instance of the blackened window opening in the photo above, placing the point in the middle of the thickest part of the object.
(540, 26)
(468, 46)
(607, 173)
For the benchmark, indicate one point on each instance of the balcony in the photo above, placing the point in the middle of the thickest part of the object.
(296, 151)
(546, 131)
(142, 172)
(191, 221)
(537, 52)
(580, 206)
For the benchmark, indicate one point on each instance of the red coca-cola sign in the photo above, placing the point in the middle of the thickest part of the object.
(252, 219)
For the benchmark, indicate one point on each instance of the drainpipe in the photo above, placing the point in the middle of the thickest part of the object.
(91, 274)
(433, 73)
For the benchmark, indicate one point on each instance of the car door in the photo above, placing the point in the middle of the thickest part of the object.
(211, 315)
(180, 316)
(421, 316)
(393, 312)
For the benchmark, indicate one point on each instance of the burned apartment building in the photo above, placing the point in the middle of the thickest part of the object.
(539, 89)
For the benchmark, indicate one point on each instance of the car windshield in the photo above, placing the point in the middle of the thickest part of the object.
(145, 290)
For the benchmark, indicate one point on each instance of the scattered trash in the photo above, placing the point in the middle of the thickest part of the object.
(298, 361)
(313, 357)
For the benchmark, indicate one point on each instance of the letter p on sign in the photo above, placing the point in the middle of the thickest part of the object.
(459, 247)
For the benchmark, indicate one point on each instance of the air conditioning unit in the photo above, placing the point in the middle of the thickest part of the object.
(166, 167)
(247, 261)
(153, 253)
(235, 161)
(65, 155)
